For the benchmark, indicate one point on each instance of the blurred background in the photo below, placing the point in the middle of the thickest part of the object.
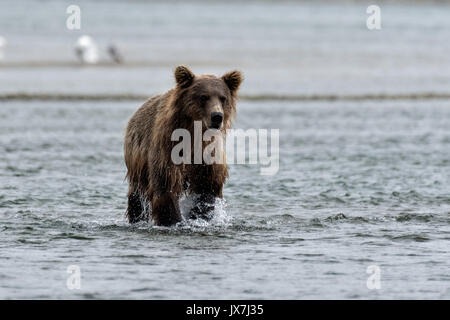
(284, 47)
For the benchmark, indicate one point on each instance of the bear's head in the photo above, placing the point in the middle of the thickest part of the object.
(207, 98)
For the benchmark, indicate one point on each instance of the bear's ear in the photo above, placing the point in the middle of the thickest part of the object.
(183, 76)
(233, 80)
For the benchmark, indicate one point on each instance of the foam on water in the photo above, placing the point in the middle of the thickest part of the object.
(216, 218)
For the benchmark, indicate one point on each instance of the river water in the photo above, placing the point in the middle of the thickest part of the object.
(363, 184)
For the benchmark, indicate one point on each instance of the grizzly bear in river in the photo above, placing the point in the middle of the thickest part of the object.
(154, 179)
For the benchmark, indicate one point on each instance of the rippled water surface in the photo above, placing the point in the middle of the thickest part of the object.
(359, 184)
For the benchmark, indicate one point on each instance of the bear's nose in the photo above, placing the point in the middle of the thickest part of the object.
(216, 119)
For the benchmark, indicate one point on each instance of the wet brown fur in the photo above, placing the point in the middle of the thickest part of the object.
(153, 178)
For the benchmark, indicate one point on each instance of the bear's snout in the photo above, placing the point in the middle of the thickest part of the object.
(216, 119)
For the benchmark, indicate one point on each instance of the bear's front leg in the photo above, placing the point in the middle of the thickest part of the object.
(203, 207)
(136, 211)
(165, 209)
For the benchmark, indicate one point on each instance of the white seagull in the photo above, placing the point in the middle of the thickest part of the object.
(2, 47)
(86, 50)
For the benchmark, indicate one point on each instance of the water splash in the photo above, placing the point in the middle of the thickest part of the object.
(217, 218)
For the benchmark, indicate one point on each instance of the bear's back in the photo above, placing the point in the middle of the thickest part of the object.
(139, 131)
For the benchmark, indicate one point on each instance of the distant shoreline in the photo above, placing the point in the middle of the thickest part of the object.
(25, 96)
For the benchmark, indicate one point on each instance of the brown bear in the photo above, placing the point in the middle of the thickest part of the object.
(153, 177)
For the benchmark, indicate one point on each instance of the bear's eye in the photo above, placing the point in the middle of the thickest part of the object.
(204, 98)
(222, 99)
